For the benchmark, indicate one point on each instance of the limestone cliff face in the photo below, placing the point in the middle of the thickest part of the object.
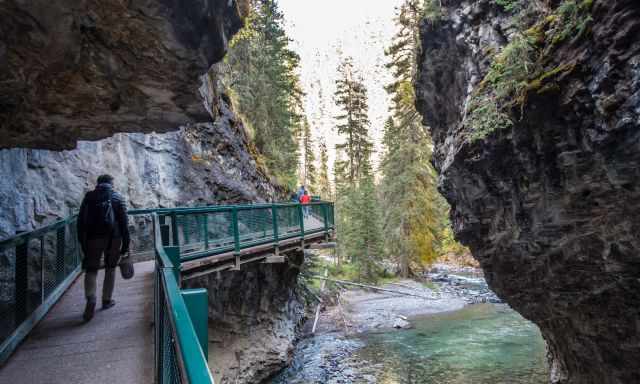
(254, 315)
(125, 74)
(206, 163)
(85, 69)
(550, 206)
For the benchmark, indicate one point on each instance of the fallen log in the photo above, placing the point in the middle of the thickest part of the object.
(315, 321)
(370, 287)
(322, 245)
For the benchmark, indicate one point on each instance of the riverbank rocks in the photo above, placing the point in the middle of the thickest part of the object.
(550, 205)
(85, 69)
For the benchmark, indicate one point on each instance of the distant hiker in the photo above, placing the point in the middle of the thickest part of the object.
(300, 193)
(294, 197)
(305, 199)
(102, 229)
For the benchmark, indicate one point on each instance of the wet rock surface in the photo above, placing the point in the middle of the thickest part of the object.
(550, 206)
(83, 70)
(467, 283)
(326, 358)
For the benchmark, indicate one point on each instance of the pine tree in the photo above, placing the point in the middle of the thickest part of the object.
(366, 247)
(342, 207)
(324, 185)
(413, 209)
(263, 82)
(309, 178)
(356, 200)
(353, 122)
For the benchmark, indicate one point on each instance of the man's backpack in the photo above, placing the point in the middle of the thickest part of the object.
(103, 218)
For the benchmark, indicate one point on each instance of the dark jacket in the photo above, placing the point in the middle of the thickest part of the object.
(86, 229)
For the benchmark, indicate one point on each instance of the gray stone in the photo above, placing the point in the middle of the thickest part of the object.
(550, 207)
(83, 70)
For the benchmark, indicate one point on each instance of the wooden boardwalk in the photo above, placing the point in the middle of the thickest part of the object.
(115, 347)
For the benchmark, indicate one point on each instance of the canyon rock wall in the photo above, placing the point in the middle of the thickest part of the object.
(254, 316)
(550, 206)
(254, 313)
(128, 88)
(206, 163)
(85, 69)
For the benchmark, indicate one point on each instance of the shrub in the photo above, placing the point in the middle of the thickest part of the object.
(509, 5)
(504, 86)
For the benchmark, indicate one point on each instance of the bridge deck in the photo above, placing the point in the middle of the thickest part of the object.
(115, 347)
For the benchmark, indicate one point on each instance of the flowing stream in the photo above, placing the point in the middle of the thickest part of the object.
(480, 344)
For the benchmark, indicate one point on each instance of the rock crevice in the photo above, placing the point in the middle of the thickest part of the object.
(549, 206)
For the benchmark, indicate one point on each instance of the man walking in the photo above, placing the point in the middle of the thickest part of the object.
(102, 229)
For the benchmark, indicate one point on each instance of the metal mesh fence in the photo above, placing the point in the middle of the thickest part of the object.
(141, 229)
(313, 217)
(201, 232)
(288, 220)
(32, 267)
(168, 368)
(7, 292)
(255, 225)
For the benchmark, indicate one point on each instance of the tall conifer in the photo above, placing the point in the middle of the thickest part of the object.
(324, 185)
(356, 199)
(413, 209)
(263, 80)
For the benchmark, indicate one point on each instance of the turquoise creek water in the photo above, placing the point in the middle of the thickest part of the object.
(480, 344)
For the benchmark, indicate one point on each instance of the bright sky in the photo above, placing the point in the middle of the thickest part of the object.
(324, 31)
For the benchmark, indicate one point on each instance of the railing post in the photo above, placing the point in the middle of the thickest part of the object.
(173, 253)
(236, 232)
(197, 304)
(205, 229)
(325, 215)
(21, 270)
(274, 214)
(301, 216)
(165, 230)
(185, 229)
(174, 230)
(236, 237)
(158, 302)
(60, 256)
(42, 276)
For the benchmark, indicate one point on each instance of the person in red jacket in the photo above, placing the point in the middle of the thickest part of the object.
(305, 199)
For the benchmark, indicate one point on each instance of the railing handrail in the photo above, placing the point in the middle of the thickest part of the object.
(189, 346)
(22, 237)
(221, 208)
(192, 361)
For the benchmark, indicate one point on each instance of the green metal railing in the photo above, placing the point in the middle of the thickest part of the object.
(37, 267)
(181, 322)
(186, 234)
(208, 231)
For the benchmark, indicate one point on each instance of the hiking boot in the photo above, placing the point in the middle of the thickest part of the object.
(89, 311)
(108, 304)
